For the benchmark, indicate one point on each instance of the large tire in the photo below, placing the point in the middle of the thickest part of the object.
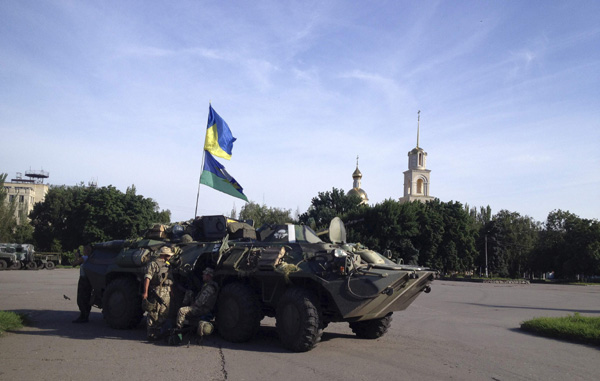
(3, 264)
(372, 329)
(31, 266)
(297, 320)
(122, 304)
(50, 265)
(16, 265)
(238, 313)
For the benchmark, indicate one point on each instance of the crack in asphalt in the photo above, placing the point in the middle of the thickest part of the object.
(223, 370)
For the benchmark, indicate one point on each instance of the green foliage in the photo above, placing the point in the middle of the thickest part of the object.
(8, 222)
(328, 205)
(574, 328)
(511, 239)
(389, 225)
(265, 215)
(568, 245)
(10, 321)
(456, 236)
(23, 232)
(435, 234)
(451, 237)
(72, 216)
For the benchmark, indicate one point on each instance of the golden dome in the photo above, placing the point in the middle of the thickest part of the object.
(360, 193)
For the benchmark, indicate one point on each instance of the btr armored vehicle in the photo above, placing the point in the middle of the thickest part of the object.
(283, 271)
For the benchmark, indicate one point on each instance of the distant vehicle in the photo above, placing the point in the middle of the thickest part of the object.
(15, 256)
(281, 271)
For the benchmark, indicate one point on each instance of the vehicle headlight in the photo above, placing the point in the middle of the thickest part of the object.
(339, 253)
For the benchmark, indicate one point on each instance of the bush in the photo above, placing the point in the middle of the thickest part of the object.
(10, 321)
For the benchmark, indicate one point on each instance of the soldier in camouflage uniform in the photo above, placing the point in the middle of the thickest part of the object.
(205, 300)
(159, 279)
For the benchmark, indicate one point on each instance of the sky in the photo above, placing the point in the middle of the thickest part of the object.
(117, 93)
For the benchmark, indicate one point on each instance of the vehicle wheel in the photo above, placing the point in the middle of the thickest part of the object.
(16, 265)
(122, 304)
(238, 313)
(50, 265)
(297, 320)
(3, 264)
(31, 266)
(372, 329)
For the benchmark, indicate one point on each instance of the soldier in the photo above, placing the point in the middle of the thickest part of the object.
(157, 281)
(84, 288)
(205, 300)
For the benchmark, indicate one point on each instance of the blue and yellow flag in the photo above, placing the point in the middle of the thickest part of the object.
(219, 140)
(215, 176)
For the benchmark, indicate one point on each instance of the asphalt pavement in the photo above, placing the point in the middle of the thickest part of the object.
(459, 331)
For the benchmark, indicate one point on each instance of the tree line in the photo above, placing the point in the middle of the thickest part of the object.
(447, 236)
(455, 238)
(71, 216)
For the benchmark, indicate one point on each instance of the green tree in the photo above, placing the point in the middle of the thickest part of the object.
(457, 250)
(262, 214)
(389, 225)
(511, 241)
(328, 205)
(430, 233)
(72, 216)
(23, 232)
(8, 222)
(568, 245)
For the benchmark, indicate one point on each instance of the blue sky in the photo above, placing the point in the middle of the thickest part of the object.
(118, 91)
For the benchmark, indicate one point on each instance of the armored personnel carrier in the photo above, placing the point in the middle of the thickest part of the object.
(284, 271)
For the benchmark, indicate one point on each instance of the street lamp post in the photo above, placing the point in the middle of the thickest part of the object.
(486, 262)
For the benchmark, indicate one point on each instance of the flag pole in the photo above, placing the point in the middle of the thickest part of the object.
(201, 166)
(199, 181)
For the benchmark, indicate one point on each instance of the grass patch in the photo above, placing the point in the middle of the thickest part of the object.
(11, 320)
(577, 328)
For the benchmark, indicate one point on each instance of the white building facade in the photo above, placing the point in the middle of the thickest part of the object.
(25, 193)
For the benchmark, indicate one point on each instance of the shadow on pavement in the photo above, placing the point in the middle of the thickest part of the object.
(59, 323)
(536, 308)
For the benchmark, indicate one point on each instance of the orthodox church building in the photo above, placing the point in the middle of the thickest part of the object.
(417, 178)
(356, 189)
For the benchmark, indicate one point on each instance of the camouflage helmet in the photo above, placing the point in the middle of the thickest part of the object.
(186, 238)
(205, 328)
(208, 271)
(165, 250)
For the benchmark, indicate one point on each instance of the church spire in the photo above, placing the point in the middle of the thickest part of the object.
(357, 175)
(418, 126)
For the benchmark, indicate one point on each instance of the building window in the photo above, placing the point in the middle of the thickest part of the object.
(420, 159)
(21, 198)
(420, 186)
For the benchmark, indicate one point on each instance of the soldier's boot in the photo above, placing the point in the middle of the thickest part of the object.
(82, 318)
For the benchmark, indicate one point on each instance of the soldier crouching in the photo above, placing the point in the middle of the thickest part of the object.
(205, 300)
(156, 298)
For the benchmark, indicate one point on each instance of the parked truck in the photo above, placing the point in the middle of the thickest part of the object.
(15, 256)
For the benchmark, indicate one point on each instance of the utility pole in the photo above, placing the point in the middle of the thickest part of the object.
(486, 262)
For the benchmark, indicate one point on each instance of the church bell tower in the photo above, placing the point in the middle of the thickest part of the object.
(417, 177)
